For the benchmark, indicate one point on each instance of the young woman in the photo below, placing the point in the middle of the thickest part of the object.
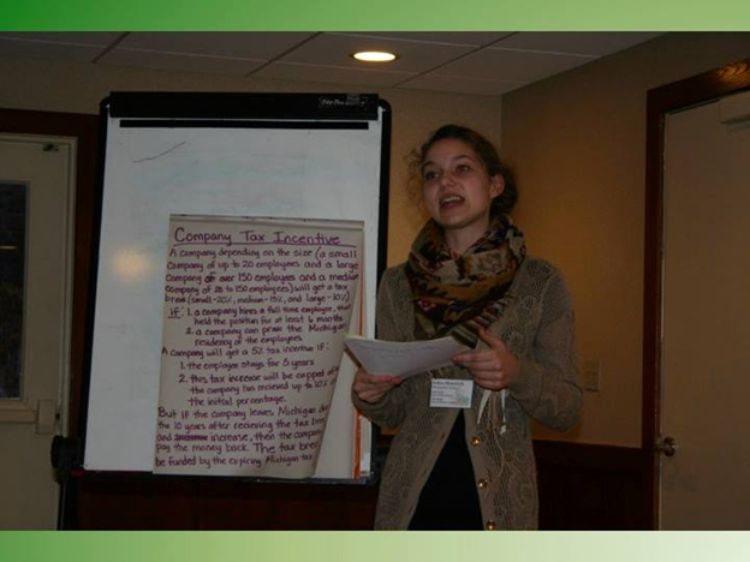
(470, 466)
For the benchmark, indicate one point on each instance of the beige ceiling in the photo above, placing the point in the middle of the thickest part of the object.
(483, 63)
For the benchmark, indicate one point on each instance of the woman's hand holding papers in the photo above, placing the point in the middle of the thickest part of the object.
(371, 388)
(493, 368)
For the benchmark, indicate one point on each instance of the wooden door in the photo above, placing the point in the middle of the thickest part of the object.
(706, 317)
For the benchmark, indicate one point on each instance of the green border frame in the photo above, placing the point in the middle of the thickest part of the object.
(373, 546)
(393, 15)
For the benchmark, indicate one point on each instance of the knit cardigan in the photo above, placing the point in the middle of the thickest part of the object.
(537, 326)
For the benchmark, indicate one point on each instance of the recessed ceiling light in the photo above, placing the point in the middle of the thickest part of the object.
(374, 56)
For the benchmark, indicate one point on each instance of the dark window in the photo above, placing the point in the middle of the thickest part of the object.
(12, 261)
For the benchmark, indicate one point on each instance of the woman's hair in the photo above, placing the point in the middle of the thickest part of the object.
(504, 202)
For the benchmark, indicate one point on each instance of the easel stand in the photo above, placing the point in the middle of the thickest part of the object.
(65, 455)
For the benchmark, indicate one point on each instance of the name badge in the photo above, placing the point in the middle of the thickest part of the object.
(451, 393)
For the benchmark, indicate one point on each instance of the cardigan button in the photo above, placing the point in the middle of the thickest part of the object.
(475, 441)
(482, 483)
(490, 525)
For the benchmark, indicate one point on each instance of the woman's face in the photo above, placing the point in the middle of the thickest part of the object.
(457, 189)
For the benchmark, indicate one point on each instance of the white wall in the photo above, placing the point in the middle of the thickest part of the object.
(577, 143)
(78, 88)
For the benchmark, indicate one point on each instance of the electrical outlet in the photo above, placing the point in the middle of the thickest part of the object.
(591, 375)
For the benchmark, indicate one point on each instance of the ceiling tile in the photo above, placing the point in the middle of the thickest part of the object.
(581, 43)
(463, 38)
(461, 85)
(335, 50)
(94, 38)
(514, 66)
(155, 60)
(243, 45)
(65, 52)
(337, 75)
(481, 63)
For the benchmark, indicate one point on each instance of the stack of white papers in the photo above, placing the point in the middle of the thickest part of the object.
(402, 359)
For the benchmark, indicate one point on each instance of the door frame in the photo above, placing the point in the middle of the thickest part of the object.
(85, 130)
(25, 410)
(696, 90)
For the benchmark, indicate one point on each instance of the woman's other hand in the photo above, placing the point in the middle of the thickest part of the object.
(371, 388)
(492, 368)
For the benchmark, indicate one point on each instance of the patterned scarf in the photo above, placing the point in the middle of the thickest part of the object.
(458, 295)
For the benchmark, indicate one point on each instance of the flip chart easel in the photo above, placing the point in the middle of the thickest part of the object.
(297, 156)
